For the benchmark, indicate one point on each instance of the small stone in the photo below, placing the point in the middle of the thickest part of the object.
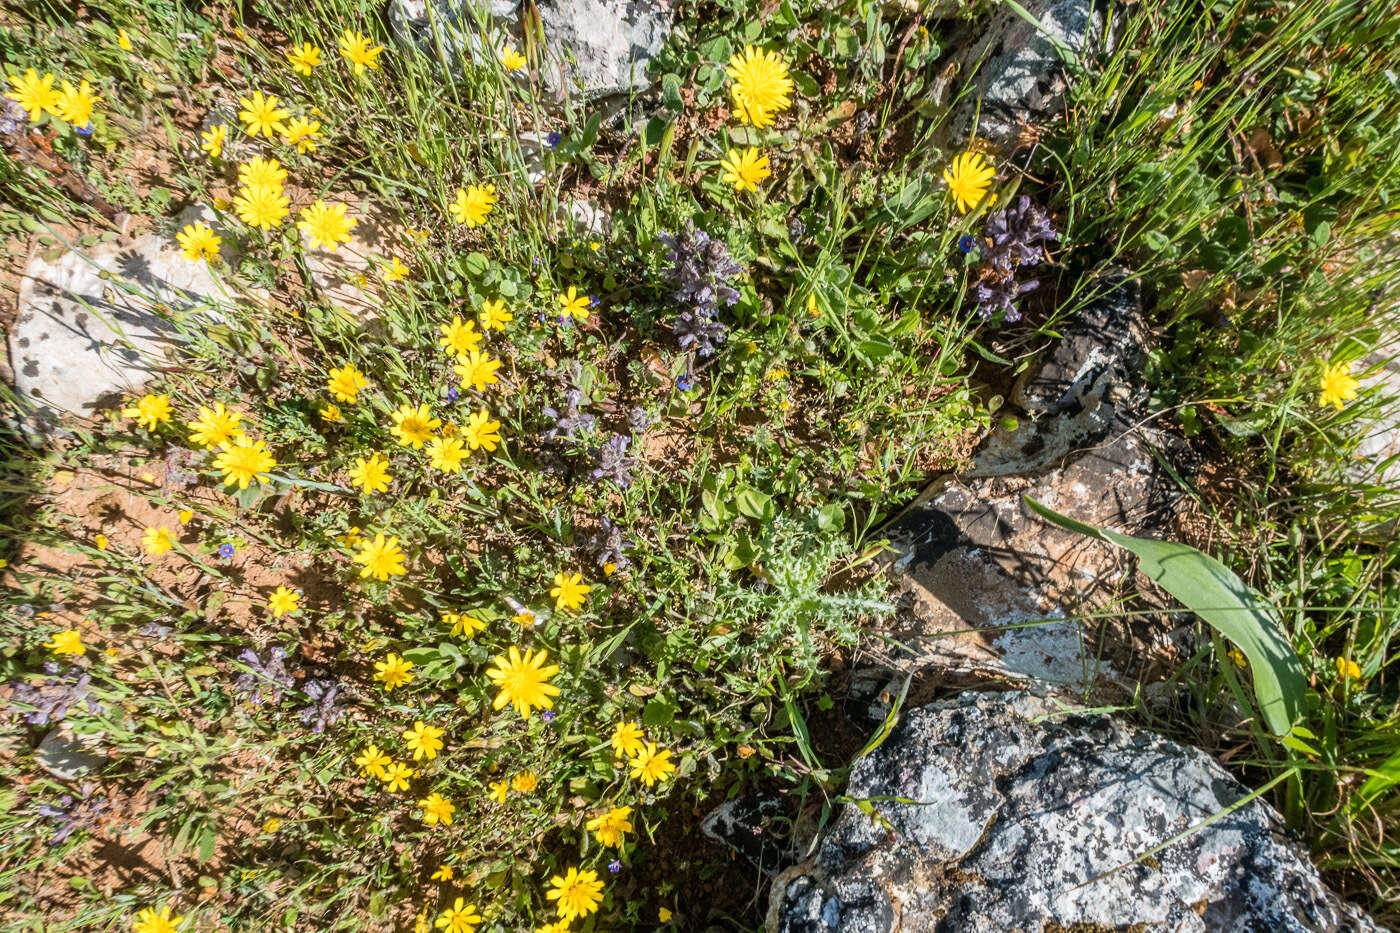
(67, 756)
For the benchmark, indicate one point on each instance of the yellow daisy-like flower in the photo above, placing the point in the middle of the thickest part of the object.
(302, 133)
(609, 827)
(498, 791)
(157, 541)
(524, 681)
(525, 619)
(511, 60)
(393, 671)
(446, 454)
(198, 242)
(215, 426)
(395, 777)
(627, 740)
(572, 303)
(304, 57)
(263, 115)
(569, 591)
(124, 41)
(75, 104)
(393, 270)
(578, 893)
(330, 413)
(761, 88)
(185, 515)
(259, 171)
(473, 204)
(382, 558)
(481, 433)
(356, 47)
(462, 624)
(371, 475)
(413, 426)
(745, 169)
(1336, 386)
(245, 460)
(652, 765)
(524, 782)
(459, 337)
(67, 643)
(346, 382)
(373, 762)
(149, 411)
(461, 917)
(443, 873)
(34, 93)
(326, 225)
(263, 207)
(283, 601)
(968, 177)
(558, 926)
(423, 740)
(494, 315)
(100, 540)
(149, 920)
(1347, 669)
(213, 139)
(477, 371)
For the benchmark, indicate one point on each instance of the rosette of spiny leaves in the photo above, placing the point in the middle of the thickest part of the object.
(1012, 238)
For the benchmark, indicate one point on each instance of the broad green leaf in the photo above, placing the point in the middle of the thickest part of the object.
(1213, 591)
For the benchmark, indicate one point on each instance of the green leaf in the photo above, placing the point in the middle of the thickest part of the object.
(1213, 591)
(751, 502)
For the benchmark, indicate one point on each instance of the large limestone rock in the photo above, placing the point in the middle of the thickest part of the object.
(993, 812)
(97, 322)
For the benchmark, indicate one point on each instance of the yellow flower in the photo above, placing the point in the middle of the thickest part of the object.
(264, 206)
(762, 87)
(812, 309)
(1337, 386)
(473, 204)
(569, 591)
(572, 303)
(524, 681)
(283, 601)
(663, 914)
(371, 475)
(413, 426)
(345, 383)
(149, 411)
(459, 918)
(627, 740)
(394, 270)
(184, 515)
(423, 740)
(498, 791)
(75, 104)
(157, 541)
(968, 177)
(462, 624)
(213, 140)
(578, 893)
(437, 809)
(356, 47)
(652, 765)
(481, 432)
(123, 41)
(1347, 669)
(100, 540)
(393, 671)
(372, 761)
(460, 337)
(244, 461)
(198, 242)
(271, 825)
(443, 873)
(745, 169)
(33, 93)
(494, 315)
(524, 782)
(382, 558)
(302, 133)
(326, 225)
(558, 926)
(524, 619)
(262, 115)
(151, 921)
(395, 777)
(609, 827)
(477, 371)
(511, 60)
(304, 57)
(330, 413)
(1237, 656)
(446, 454)
(258, 171)
(67, 642)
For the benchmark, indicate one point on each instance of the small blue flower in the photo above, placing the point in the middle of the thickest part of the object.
(592, 302)
(966, 243)
(553, 139)
(565, 320)
(84, 130)
(614, 866)
(547, 715)
(452, 395)
(685, 383)
(226, 551)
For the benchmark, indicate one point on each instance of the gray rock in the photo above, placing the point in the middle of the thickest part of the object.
(1023, 78)
(1376, 457)
(758, 828)
(67, 756)
(455, 33)
(994, 812)
(98, 322)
